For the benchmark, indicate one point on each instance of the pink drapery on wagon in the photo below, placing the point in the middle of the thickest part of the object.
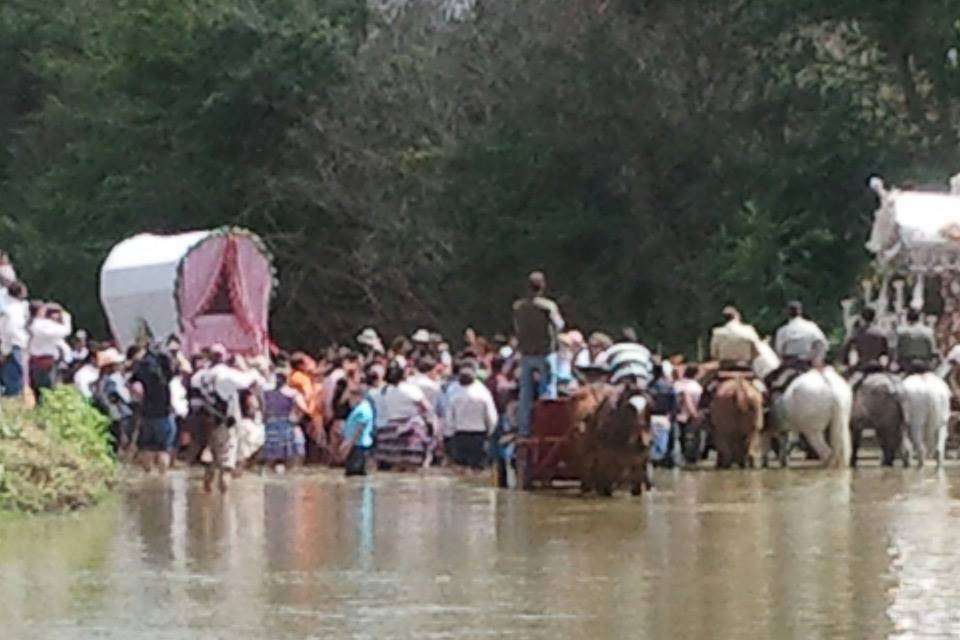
(205, 287)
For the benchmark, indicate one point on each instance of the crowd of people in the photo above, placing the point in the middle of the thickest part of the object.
(412, 403)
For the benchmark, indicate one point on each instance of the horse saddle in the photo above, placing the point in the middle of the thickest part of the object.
(735, 375)
(781, 379)
(735, 366)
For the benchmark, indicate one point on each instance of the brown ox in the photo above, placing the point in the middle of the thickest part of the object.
(611, 429)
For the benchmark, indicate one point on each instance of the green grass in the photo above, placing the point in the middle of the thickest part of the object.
(55, 458)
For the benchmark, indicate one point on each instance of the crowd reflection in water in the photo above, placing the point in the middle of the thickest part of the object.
(709, 555)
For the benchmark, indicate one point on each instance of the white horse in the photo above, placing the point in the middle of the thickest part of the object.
(927, 413)
(816, 402)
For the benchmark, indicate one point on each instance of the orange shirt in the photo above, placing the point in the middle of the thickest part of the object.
(303, 383)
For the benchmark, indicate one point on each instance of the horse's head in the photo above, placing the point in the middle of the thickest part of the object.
(632, 418)
(583, 405)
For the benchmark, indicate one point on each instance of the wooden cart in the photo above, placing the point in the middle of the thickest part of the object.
(548, 455)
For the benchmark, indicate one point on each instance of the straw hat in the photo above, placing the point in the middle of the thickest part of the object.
(369, 338)
(109, 357)
(421, 336)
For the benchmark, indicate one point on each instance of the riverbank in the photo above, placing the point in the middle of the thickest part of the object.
(54, 458)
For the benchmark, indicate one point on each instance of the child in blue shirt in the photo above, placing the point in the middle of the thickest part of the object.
(358, 432)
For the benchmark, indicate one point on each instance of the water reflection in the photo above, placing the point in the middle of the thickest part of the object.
(795, 554)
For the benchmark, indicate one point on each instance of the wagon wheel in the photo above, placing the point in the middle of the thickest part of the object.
(553, 453)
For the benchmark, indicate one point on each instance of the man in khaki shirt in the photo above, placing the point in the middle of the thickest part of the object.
(734, 344)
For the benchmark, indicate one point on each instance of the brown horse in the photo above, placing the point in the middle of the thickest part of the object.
(736, 422)
(612, 432)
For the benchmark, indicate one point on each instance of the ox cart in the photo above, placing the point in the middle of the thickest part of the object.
(549, 455)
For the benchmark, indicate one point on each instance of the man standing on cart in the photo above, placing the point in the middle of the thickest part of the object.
(537, 322)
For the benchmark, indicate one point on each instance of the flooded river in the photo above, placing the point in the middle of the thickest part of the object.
(800, 554)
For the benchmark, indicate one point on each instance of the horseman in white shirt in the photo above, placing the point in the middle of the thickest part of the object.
(801, 345)
(734, 343)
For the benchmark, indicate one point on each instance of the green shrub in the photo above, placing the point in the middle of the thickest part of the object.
(55, 458)
(67, 415)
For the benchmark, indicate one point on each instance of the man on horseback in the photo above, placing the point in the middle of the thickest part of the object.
(734, 344)
(916, 345)
(870, 343)
(801, 345)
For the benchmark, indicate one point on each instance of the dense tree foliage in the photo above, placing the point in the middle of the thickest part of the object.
(658, 159)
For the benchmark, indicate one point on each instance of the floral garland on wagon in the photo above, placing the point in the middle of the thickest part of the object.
(226, 232)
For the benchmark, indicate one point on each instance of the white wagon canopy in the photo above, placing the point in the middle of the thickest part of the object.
(205, 287)
(915, 237)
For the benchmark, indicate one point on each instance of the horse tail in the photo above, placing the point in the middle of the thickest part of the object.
(749, 403)
(741, 397)
(939, 415)
(840, 441)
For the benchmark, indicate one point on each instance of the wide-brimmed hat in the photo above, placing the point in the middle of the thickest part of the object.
(109, 357)
(421, 336)
(369, 338)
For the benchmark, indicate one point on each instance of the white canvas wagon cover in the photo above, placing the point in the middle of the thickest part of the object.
(203, 286)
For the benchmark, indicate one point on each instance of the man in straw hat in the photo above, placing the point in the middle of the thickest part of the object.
(111, 395)
(370, 343)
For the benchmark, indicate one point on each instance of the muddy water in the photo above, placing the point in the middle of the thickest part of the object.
(774, 554)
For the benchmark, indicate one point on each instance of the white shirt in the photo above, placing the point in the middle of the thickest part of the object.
(430, 388)
(228, 382)
(801, 338)
(472, 410)
(402, 401)
(178, 398)
(13, 325)
(85, 378)
(734, 341)
(691, 389)
(46, 336)
(446, 359)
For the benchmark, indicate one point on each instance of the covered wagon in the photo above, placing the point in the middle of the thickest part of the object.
(915, 240)
(205, 287)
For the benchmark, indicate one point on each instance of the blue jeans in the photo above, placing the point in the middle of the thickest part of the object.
(11, 373)
(546, 366)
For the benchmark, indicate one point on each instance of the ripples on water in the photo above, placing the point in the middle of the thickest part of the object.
(799, 554)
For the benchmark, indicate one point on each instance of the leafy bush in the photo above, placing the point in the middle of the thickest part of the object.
(56, 458)
(66, 415)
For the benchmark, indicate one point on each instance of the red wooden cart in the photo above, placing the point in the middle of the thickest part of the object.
(548, 455)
